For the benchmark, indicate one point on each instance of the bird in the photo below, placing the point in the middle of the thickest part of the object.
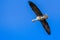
(40, 17)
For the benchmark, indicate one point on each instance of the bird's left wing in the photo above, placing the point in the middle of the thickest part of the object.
(45, 25)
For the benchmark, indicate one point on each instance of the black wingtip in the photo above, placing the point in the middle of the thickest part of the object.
(30, 3)
(49, 33)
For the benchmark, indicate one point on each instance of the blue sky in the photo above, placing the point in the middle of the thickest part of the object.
(16, 20)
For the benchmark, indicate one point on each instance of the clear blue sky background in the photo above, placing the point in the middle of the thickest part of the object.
(16, 16)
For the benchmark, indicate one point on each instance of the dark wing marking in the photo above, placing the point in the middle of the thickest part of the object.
(35, 9)
(46, 26)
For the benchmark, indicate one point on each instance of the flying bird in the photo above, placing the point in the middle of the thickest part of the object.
(40, 17)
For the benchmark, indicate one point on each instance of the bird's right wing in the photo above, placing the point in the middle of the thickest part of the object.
(35, 9)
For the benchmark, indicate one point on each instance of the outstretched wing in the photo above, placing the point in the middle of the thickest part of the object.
(35, 9)
(46, 26)
(39, 13)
